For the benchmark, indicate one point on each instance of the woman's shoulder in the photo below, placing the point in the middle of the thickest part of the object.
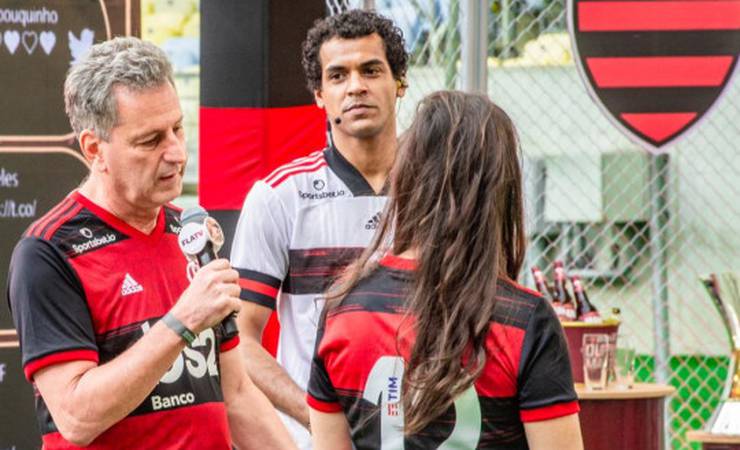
(515, 304)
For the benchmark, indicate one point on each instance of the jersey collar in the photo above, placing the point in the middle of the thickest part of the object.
(398, 263)
(119, 224)
(349, 174)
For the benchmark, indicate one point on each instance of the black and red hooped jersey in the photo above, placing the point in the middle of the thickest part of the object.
(84, 285)
(358, 368)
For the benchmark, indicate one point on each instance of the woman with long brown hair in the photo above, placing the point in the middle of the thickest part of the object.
(427, 341)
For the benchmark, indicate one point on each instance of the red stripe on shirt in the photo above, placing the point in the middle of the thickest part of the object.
(307, 160)
(51, 215)
(398, 263)
(256, 286)
(298, 171)
(549, 412)
(659, 71)
(228, 345)
(658, 16)
(55, 358)
(203, 426)
(522, 288)
(60, 220)
(504, 350)
(326, 407)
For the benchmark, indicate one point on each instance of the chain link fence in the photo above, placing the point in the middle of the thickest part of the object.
(639, 229)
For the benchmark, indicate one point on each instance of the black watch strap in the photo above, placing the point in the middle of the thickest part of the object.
(179, 328)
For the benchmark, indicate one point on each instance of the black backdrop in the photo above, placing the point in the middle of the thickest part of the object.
(39, 160)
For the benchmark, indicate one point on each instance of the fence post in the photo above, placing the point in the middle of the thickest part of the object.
(474, 46)
(659, 278)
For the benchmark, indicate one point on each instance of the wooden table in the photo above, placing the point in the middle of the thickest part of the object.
(711, 441)
(623, 419)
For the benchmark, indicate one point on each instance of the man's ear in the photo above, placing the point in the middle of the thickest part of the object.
(90, 147)
(401, 86)
(317, 96)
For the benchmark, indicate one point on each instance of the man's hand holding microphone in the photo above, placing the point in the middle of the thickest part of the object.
(213, 294)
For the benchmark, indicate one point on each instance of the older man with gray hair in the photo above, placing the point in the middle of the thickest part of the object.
(124, 350)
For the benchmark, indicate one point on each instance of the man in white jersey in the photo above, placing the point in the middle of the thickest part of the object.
(308, 219)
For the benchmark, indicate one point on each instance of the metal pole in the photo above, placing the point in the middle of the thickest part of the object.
(659, 279)
(507, 28)
(474, 46)
(452, 45)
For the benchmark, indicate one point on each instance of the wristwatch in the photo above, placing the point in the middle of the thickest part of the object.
(179, 328)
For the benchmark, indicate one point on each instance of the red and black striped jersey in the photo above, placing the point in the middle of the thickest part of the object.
(300, 227)
(359, 360)
(84, 285)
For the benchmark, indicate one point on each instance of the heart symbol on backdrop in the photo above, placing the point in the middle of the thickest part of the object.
(30, 40)
(47, 40)
(12, 39)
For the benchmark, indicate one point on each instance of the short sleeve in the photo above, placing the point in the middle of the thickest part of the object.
(48, 307)
(260, 248)
(321, 395)
(229, 344)
(545, 380)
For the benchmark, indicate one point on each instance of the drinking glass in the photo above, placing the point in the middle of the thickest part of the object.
(624, 362)
(595, 351)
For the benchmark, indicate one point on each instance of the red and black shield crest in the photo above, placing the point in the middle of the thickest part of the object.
(655, 66)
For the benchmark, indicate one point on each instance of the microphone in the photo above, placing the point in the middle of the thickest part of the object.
(337, 120)
(200, 240)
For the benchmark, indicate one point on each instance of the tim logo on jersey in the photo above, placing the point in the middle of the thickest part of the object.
(393, 400)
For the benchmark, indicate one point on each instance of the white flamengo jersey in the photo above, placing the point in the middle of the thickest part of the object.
(298, 229)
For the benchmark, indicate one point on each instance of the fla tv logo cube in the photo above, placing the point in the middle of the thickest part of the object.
(656, 67)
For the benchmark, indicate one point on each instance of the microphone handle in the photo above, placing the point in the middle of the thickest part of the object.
(229, 322)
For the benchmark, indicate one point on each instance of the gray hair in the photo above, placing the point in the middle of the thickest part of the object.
(122, 61)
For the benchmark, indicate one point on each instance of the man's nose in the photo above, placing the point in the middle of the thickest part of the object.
(175, 150)
(356, 83)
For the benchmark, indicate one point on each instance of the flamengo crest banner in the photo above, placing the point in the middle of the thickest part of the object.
(655, 67)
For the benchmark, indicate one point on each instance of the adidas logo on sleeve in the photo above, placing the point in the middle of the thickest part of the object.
(373, 223)
(130, 286)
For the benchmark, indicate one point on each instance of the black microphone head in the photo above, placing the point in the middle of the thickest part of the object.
(337, 121)
(193, 214)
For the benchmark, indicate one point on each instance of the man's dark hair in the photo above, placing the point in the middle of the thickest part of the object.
(353, 24)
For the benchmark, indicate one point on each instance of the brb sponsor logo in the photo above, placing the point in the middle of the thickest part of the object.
(196, 362)
(164, 402)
